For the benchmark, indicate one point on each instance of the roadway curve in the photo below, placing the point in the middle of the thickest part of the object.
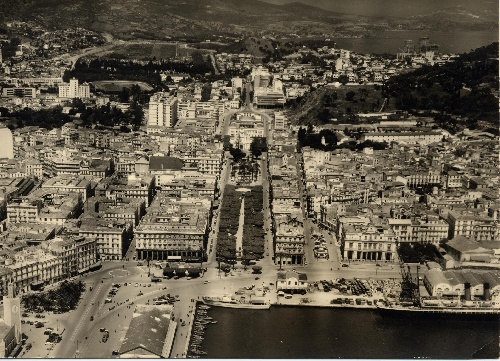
(113, 43)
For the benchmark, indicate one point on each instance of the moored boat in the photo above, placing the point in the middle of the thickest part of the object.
(471, 313)
(226, 301)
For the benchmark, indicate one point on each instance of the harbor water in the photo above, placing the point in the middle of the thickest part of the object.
(393, 41)
(314, 332)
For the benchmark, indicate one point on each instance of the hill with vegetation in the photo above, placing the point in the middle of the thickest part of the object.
(212, 19)
(328, 104)
(459, 94)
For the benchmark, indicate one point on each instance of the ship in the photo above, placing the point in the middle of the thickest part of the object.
(463, 311)
(229, 302)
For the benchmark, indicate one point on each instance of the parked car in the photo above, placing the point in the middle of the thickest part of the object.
(345, 265)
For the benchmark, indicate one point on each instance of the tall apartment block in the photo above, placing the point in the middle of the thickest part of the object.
(162, 110)
(74, 90)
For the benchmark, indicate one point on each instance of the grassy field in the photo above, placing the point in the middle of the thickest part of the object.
(117, 85)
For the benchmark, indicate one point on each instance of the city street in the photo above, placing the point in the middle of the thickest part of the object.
(81, 335)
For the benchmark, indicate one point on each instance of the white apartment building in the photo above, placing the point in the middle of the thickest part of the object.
(73, 90)
(162, 110)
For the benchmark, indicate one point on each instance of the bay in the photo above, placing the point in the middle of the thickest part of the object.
(393, 41)
(310, 332)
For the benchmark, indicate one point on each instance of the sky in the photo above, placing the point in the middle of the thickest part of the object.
(399, 8)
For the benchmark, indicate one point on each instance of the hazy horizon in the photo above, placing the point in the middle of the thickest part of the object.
(407, 8)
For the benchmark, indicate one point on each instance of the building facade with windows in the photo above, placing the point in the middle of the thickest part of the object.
(162, 110)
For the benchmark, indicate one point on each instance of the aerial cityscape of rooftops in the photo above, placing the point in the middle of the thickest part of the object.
(163, 160)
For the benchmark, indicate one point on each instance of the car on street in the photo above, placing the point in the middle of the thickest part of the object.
(136, 285)
(115, 352)
(206, 282)
(345, 265)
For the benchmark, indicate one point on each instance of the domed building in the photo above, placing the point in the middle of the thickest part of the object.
(6, 143)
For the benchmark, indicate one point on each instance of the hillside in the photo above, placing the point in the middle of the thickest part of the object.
(460, 94)
(325, 104)
(202, 19)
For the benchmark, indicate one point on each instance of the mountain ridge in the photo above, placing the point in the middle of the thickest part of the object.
(161, 19)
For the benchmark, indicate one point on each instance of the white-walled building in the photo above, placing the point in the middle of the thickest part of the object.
(162, 110)
(73, 90)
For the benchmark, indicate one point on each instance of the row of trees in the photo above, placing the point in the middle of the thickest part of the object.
(253, 228)
(228, 223)
(64, 298)
(100, 69)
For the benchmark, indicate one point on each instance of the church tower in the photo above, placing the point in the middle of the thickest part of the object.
(12, 311)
